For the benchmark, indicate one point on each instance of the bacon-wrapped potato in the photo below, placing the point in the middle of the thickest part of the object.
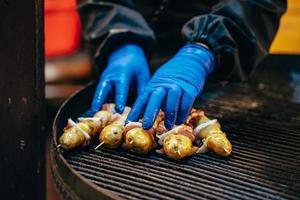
(80, 134)
(112, 135)
(137, 139)
(74, 136)
(178, 142)
(209, 131)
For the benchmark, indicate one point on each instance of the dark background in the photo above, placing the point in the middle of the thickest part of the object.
(22, 160)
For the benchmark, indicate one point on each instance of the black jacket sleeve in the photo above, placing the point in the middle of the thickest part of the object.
(239, 32)
(107, 24)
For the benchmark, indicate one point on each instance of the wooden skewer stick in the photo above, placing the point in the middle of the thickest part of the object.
(99, 145)
(179, 153)
(58, 145)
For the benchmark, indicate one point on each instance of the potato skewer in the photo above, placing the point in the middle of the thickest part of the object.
(137, 139)
(112, 135)
(110, 107)
(80, 134)
(209, 131)
(178, 142)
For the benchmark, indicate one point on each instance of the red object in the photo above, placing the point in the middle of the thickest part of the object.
(62, 27)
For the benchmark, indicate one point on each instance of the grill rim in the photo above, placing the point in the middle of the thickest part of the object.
(61, 169)
(60, 159)
(67, 177)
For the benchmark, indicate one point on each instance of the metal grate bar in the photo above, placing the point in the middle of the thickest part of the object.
(264, 165)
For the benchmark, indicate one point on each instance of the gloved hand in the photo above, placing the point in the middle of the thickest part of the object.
(179, 81)
(125, 64)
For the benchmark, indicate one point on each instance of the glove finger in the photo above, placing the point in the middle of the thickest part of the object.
(142, 80)
(122, 88)
(185, 107)
(153, 107)
(137, 108)
(101, 93)
(171, 109)
(140, 88)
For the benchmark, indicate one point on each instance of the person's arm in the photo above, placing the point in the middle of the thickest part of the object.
(236, 36)
(122, 41)
(110, 23)
(238, 32)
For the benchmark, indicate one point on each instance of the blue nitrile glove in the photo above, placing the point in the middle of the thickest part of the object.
(179, 81)
(127, 63)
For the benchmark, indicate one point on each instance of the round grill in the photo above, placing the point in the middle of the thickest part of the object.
(264, 131)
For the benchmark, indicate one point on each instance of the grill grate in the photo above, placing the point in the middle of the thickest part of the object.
(264, 165)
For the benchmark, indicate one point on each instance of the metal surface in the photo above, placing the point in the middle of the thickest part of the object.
(262, 121)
